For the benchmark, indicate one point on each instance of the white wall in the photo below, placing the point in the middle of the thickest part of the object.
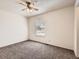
(77, 31)
(76, 42)
(13, 28)
(59, 29)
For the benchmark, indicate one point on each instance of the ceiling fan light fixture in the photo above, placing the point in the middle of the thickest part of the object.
(29, 10)
(30, 6)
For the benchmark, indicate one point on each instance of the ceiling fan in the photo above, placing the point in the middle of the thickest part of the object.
(29, 5)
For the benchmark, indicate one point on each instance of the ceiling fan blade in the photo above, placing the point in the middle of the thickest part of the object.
(21, 2)
(36, 9)
(23, 9)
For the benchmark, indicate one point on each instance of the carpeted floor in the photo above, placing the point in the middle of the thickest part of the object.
(35, 50)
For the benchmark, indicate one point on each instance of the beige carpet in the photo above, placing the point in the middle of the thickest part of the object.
(35, 50)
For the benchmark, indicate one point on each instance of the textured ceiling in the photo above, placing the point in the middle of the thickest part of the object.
(43, 5)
